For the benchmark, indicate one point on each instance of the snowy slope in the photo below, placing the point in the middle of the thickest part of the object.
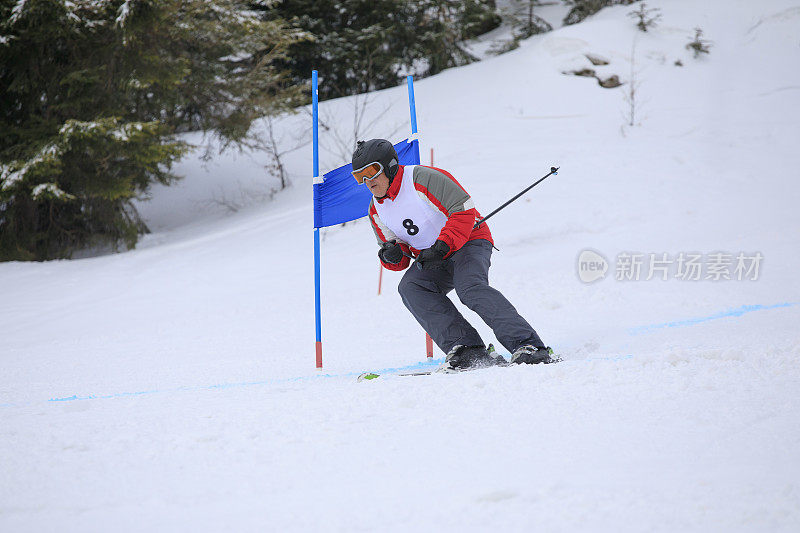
(190, 360)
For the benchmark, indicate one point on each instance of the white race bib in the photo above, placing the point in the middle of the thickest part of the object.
(413, 219)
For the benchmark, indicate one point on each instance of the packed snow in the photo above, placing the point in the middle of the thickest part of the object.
(173, 387)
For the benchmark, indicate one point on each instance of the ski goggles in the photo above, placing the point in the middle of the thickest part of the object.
(367, 172)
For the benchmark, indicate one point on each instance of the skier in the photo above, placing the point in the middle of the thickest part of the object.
(424, 212)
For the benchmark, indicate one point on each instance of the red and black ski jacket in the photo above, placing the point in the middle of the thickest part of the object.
(440, 191)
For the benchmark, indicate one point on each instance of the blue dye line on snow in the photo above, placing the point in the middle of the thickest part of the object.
(737, 312)
(612, 358)
(422, 365)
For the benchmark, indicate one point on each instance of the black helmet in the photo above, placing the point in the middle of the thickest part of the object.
(377, 151)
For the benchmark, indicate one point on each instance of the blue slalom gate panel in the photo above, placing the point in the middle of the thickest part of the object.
(339, 198)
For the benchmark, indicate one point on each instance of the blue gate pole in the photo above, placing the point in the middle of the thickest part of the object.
(314, 106)
(413, 108)
(411, 104)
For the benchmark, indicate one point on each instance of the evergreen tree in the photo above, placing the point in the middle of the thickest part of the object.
(363, 45)
(584, 8)
(520, 14)
(698, 45)
(645, 17)
(441, 28)
(93, 93)
(353, 44)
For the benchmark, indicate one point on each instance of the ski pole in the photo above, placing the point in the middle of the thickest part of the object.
(553, 170)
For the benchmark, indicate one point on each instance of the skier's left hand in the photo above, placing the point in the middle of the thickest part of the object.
(433, 257)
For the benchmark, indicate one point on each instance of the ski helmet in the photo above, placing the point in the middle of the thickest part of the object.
(377, 151)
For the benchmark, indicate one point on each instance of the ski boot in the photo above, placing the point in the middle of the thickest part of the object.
(531, 355)
(499, 360)
(462, 357)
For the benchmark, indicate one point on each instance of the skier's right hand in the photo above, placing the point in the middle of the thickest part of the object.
(390, 252)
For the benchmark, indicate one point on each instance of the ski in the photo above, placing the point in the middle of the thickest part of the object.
(372, 375)
(366, 376)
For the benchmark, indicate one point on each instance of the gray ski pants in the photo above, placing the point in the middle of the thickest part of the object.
(424, 293)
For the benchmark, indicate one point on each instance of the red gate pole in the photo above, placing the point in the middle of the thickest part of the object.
(428, 340)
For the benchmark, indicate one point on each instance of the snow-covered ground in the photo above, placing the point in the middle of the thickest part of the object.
(173, 387)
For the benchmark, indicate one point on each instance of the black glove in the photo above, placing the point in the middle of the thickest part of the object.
(390, 252)
(433, 257)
